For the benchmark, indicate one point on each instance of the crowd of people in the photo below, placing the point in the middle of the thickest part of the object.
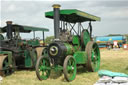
(113, 45)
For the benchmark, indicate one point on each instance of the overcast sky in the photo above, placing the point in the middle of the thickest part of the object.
(113, 13)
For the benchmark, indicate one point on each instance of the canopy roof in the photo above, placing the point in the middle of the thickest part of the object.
(73, 16)
(24, 29)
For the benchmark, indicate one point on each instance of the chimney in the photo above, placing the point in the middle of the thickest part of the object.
(56, 8)
(9, 29)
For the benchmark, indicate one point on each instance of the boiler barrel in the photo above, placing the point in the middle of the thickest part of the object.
(59, 50)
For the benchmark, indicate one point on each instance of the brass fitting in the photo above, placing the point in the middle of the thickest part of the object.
(9, 22)
(56, 6)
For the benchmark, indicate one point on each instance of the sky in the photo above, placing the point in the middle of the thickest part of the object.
(113, 14)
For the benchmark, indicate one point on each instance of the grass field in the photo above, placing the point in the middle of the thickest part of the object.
(110, 60)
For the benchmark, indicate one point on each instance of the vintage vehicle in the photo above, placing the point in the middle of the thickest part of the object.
(16, 52)
(70, 48)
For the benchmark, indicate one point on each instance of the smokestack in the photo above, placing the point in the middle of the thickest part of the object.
(9, 29)
(56, 8)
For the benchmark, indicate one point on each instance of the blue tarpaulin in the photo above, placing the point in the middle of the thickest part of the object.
(111, 74)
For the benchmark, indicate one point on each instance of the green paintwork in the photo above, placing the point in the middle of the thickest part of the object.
(30, 57)
(69, 48)
(35, 28)
(57, 68)
(23, 50)
(86, 37)
(95, 57)
(76, 43)
(73, 15)
(8, 64)
(5, 67)
(28, 60)
(80, 57)
(75, 40)
(24, 29)
(45, 52)
(34, 42)
(44, 68)
(70, 68)
(74, 54)
(27, 53)
(9, 56)
(72, 72)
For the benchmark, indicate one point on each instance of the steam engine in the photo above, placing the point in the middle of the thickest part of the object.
(62, 45)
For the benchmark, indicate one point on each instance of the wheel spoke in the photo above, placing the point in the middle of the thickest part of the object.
(70, 71)
(44, 68)
(69, 63)
(43, 62)
(69, 68)
(73, 63)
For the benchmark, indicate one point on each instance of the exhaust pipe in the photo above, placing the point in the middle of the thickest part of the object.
(9, 29)
(56, 8)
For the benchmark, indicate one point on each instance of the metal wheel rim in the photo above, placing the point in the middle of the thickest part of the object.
(70, 69)
(44, 68)
(95, 58)
(4, 66)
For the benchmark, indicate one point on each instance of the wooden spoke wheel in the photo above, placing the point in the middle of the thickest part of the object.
(43, 68)
(69, 68)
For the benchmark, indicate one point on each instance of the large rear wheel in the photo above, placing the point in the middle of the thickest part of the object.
(43, 68)
(93, 60)
(69, 68)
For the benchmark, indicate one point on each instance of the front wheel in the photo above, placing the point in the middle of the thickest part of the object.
(69, 68)
(43, 68)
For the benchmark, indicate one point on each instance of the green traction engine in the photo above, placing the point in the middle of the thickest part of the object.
(70, 48)
(16, 52)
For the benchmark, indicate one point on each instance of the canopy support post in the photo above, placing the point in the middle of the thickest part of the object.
(34, 34)
(43, 36)
(90, 25)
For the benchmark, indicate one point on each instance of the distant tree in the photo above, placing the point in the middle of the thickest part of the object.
(114, 35)
(126, 35)
(49, 39)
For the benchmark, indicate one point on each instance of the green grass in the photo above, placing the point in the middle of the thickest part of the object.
(110, 60)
